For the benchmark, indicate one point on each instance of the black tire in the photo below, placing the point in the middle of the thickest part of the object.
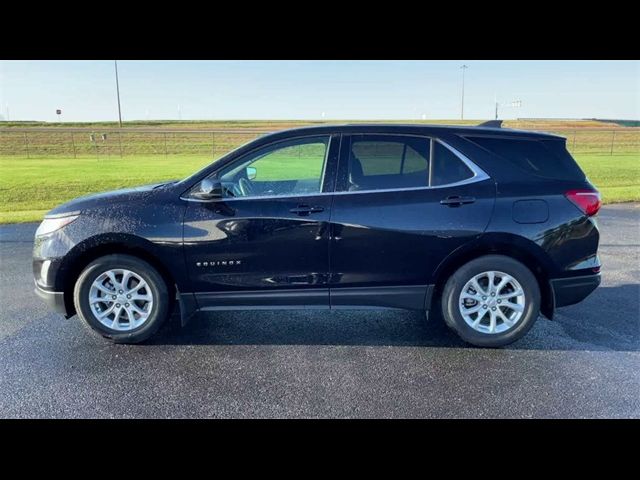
(160, 310)
(453, 288)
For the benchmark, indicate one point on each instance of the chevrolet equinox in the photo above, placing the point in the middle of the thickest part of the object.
(488, 227)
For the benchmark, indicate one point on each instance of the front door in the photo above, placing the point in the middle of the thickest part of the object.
(402, 204)
(266, 242)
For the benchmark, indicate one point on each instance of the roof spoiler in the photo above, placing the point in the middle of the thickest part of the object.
(491, 124)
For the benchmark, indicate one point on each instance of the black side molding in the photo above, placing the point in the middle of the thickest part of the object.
(403, 297)
(282, 299)
(409, 297)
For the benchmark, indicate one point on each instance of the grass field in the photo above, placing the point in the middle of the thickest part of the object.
(31, 187)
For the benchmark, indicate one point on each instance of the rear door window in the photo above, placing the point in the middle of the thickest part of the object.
(383, 162)
(379, 162)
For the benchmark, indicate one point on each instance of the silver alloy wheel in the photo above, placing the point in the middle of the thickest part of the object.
(492, 302)
(120, 299)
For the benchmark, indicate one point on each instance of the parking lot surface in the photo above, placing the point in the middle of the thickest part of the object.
(584, 363)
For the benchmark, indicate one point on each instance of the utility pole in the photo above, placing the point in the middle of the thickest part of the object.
(118, 93)
(463, 67)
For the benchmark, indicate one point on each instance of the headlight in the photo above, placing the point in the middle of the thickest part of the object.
(50, 225)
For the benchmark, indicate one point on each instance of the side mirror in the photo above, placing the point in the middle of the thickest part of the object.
(252, 173)
(209, 189)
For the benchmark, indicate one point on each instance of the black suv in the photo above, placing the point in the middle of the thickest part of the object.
(487, 226)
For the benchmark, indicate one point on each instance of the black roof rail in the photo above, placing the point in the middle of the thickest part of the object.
(491, 124)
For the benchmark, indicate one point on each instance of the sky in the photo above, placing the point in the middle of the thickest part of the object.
(314, 90)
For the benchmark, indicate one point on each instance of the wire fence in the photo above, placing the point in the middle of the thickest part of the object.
(104, 144)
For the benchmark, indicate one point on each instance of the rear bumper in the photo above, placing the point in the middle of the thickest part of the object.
(54, 300)
(567, 291)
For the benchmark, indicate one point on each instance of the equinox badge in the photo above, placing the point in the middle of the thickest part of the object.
(218, 263)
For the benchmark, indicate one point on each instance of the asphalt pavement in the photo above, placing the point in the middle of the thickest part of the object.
(584, 363)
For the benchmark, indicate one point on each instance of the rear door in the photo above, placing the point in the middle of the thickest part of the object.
(402, 204)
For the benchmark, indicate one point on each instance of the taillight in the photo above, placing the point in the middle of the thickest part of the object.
(586, 200)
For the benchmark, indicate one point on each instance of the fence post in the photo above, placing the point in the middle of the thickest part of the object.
(213, 145)
(613, 136)
(120, 142)
(73, 145)
(26, 144)
(95, 145)
(165, 144)
(574, 141)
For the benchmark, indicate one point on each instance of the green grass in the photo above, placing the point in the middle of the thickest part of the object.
(31, 187)
(616, 176)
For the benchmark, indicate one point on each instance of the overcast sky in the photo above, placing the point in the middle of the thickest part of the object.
(191, 90)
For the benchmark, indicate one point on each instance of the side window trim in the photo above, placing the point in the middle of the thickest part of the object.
(341, 142)
(479, 175)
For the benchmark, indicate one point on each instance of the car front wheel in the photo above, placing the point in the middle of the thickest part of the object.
(491, 301)
(122, 297)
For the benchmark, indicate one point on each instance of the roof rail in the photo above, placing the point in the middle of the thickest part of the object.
(491, 124)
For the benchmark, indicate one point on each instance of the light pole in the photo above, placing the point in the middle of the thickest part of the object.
(463, 67)
(118, 93)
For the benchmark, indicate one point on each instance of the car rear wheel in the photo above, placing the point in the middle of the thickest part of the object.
(122, 297)
(491, 301)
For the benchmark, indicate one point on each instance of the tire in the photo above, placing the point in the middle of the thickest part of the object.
(519, 322)
(154, 311)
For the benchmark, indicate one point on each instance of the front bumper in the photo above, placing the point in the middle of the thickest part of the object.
(54, 300)
(567, 291)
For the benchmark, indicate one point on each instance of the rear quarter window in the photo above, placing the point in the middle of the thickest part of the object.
(543, 158)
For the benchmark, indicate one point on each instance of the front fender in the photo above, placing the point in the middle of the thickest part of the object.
(64, 264)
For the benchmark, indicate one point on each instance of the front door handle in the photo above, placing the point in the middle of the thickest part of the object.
(304, 210)
(456, 201)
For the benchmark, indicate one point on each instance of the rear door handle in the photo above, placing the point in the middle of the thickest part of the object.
(304, 210)
(456, 201)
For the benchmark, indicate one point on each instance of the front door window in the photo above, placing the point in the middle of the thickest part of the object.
(289, 168)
